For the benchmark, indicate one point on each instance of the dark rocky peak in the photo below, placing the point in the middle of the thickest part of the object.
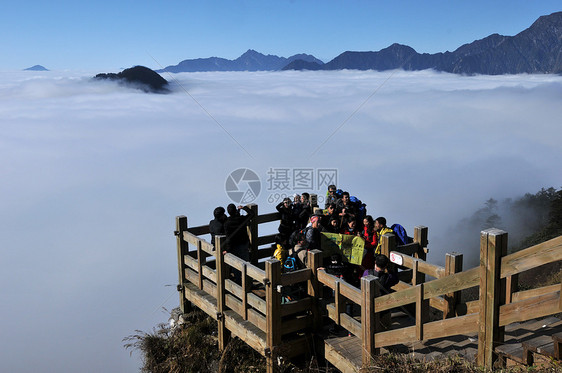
(139, 77)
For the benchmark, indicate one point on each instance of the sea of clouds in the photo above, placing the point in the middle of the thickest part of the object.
(94, 173)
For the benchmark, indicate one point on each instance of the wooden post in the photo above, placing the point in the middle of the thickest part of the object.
(223, 332)
(314, 261)
(420, 236)
(415, 272)
(422, 311)
(511, 286)
(253, 235)
(388, 244)
(273, 312)
(313, 201)
(453, 264)
(369, 319)
(246, 288)
(201, 261)
(339, 300)
(493, 245)
(183, 248)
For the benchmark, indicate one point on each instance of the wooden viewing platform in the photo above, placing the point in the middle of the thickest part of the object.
(254, 311)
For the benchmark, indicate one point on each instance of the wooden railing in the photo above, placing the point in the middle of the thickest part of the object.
(254, 311)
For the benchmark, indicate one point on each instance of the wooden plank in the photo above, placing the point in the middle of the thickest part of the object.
(191, 262)
(526, 294)
(543, 253)
(257, 303)
(255, 272)
(234, 261)
(339, 356)
(531, 308)
(420, 236)
(327, 279)
(350, 292)
(257, 319)
(493, 246)
(200, 263)
(453, 264)
(452, 283)
(234, 304)
(223, 332)
(397, 299)
(209, 288)
(210, 273)
(190, 238)
(297, 306)
(369, 319)
(295, 277)
(200, 299)
(182, 249)
(468, 308)
(232, 287)
(264, 240)
(314, 261)
(542, 344)
(452, 326)
(266, 218)
(350, 324)
(395, 337)
(422, 312)
(409, 249)
(246, 331)
(200, 230)
(273, 314)
(296, 324)
(424, 267)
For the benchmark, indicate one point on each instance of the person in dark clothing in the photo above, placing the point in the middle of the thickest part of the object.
(286, 224)
(387, 278)
(312, 236)
(216, 226)
(331, 197)
(333, 226)
(344, 205)
(304, 212)
(237, 241)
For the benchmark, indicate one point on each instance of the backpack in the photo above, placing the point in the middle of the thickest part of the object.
(339, 193)
(293, 263)
(360, 207)
(402, 237)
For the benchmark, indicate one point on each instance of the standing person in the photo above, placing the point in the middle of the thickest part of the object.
(286, 224)
(305, 212)
(370, 237)
(216, 226)
(381, 229)
(237, 240)
(386, 278)
(331, 196)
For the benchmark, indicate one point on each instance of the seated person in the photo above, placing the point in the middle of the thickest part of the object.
(350, 226)
(344, 205)
(333, 226)
(387, 279)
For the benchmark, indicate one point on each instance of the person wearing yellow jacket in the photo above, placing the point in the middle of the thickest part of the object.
(381, 229)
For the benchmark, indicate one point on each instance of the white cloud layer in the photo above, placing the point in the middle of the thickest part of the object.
(93, 175)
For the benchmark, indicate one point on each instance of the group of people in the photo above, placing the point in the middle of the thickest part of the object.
(300, 231)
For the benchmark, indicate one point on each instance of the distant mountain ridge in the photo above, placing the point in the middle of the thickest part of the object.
(36, 68)
(538, 49)
(249, 61)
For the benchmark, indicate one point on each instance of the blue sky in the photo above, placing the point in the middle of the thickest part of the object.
(116, 34)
